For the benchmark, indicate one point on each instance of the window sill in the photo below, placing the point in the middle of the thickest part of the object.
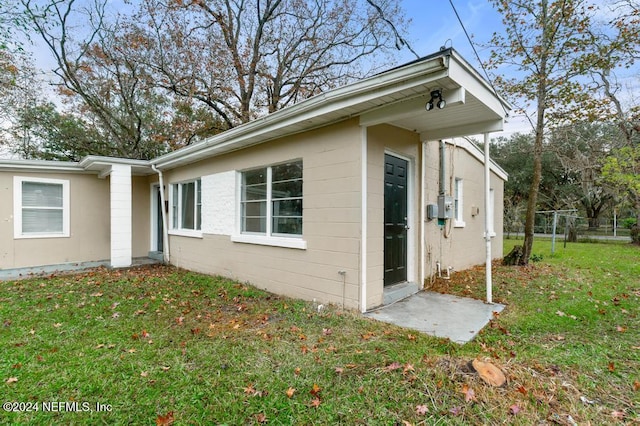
(457, 224)
(287, 242)
(38, 236)
(185, 233)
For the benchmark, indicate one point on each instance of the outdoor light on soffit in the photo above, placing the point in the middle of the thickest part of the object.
(436, 95)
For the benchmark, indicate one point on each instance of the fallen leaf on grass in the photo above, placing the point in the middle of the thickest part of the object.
(57, 325)
(315, 390)
(290, 392)
(514, 409)
(616, 414)
(469, 393)
(456, 411)
(421, 410)
(327, 331)
(315, 403)
(144, 374)
(611, 367)
(11, 380)
(261, 418)
(339, 370)
(167, 419)
(621, 329)
(636, 386)
(393, 366)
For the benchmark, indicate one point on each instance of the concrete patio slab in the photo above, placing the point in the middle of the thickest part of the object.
(458, 319)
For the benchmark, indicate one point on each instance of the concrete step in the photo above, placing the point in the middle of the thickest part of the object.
(398, 292)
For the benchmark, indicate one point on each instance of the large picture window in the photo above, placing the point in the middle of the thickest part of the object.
(271, 202)
(186, 206)
(41, 207)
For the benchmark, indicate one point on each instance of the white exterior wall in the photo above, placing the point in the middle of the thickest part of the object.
(121, 220)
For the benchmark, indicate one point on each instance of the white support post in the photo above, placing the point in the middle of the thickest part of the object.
(487, 219)
(121, 225)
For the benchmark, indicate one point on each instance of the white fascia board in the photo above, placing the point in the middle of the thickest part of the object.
(490, 126)
(476, 153)
(41, 166)
(464, 75)
(103, 165)
(326, 103)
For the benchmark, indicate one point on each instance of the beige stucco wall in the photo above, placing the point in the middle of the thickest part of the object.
(141, 215)
(89, 238)
(89, 224)
(460, 247)
(405, 144)
(332, 173)
(331, 227)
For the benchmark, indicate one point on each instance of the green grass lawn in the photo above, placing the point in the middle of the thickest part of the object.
(164, 345)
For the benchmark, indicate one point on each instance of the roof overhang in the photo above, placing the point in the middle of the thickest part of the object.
(396, 97)
(89, 165)
(102, 165)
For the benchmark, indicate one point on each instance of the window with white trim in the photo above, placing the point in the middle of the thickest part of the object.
(271, 200)
(186, 206)
(457, 203)
(41, 207)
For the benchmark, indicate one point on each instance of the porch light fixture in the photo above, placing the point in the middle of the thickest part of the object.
(436, 95)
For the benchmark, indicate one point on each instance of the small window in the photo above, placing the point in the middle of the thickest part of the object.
(457, 204)
(186, 206)
(271, 202)
(41, 208)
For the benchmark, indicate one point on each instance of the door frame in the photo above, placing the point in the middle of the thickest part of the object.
(156, 219)
(411, 214)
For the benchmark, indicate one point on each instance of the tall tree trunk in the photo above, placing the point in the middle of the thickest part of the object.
(532, 202)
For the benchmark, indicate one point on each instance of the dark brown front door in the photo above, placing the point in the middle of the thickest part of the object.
(395, 220)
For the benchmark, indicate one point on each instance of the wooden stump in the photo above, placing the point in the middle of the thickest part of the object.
(514, 257)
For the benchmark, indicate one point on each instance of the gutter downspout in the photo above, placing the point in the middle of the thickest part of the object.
(443, 174)
(165, 232)
(423, 177)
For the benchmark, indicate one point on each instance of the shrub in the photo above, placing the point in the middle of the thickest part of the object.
(635, 235)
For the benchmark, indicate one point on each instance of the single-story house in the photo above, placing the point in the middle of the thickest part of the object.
(337, 198)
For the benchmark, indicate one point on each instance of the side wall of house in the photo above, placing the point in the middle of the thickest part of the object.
(89, 237)
(460, 245)
(381, 140)
(89, 224)
(331, 218)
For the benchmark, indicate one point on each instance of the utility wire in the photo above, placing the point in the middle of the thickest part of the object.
(473, 47)
(399, 40)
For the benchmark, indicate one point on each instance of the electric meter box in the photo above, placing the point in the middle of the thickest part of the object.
(445, 207)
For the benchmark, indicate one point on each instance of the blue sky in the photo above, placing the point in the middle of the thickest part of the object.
(434, 23)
